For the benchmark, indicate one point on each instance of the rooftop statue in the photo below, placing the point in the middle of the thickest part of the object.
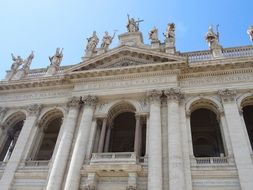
(250, 32)
(92, 42)
(153, 34)
(107, 40)
(17, 61)
(132, 25)
(170, 33)
(212, 39)
(56, 59)
(27, 62)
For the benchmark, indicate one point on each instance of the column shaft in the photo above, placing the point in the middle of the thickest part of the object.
(107, 140)
(176, 171)
(238, 139)
(80, 148)
(137, 136)
(20, 146)
(102, 137)
(61, 157)
(155, 143)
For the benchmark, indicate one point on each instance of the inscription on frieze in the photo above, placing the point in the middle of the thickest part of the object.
(34, 95)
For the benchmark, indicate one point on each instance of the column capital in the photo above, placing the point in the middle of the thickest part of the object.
(174, 94)
(34, 109)
(90, 100)
(73, 102)
(227, 95)
(154, 95)
(130, 188)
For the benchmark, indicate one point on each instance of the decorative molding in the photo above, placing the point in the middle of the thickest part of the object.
(154, 95)
(90, 100)
(174, 94)
(227, 95)
(73, 102)
(34, 109)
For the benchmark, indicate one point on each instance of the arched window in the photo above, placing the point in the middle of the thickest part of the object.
(248, 119)
(206, 134)
(49, 128)
(10, 136)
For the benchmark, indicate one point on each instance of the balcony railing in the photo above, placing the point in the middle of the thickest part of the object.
(114, 158)
(2, 165)
(34, 164)
(210, 161)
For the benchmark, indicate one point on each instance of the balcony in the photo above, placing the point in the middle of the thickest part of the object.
(211, 161)
(114, 158)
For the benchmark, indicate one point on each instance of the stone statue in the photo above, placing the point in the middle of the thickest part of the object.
(170, 33)
(132, 25)
(107, 40)
(250, 32)
(153, 34)
(212, 39)
(17, 62)
(92, 42)
(27, 62)
(56, 59)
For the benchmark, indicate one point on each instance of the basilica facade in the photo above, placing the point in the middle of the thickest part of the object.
(134, 117)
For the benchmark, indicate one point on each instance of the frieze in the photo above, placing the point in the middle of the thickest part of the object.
(189, 82)
(125, 83)
(34, 95)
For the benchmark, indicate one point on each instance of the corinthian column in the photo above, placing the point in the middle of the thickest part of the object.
(176, 171)
(238, 139)
(16, 156)
(73, 177)
(155, 142)
(61, 157)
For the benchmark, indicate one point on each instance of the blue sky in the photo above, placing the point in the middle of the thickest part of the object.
(44, 25)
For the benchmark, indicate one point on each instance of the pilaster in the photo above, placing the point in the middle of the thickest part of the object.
(238, 139)
(61, 157)
(155, 143)
(16, 156)
(80, 148)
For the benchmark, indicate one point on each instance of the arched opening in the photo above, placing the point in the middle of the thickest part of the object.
(47, 136)
(248, 119)
(206, 134)
(11, 133)
(123, 133)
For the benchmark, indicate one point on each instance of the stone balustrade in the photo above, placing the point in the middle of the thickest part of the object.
(34, 164)
(211, 161)
(114, 158)
(2, 165)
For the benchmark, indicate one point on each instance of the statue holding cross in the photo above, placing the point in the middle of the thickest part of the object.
(132, 25)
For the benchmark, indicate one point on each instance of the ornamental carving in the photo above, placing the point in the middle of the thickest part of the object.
(90, 100)
(154, 95)
(174, 94)
(90, 187)
(34, 109)
(227, 95)
(131, 188)
(73, 102)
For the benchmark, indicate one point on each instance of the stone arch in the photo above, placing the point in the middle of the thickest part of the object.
(205, 125)
(13, 123)
(210, 103)
(245, 104)
(49, 125)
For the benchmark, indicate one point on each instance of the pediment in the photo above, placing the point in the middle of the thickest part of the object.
(124, 57)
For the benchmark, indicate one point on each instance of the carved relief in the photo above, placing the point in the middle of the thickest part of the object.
(34, 109)
(90, 100)
(227, 95)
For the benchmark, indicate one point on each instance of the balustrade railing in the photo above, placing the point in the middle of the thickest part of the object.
(35, 164)
(2, 165)
(205, 161)
(114, 157)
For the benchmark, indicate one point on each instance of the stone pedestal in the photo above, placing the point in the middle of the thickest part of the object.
(131, 39)
(155, 44)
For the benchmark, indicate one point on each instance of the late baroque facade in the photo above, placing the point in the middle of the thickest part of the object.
(137, 116)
